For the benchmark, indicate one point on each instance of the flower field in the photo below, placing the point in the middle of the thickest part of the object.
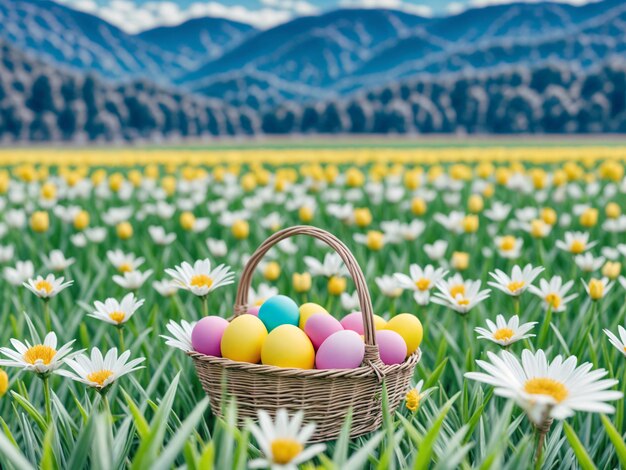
(510, 257)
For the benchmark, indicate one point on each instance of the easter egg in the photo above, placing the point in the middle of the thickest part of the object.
(410, 328)
(288, 346)
(320, 326)
(354, 322)
(243, 339)
(206, 336)
(279, 310)
(341, 350)
(391, 347)
(254, 310)
(308, 309)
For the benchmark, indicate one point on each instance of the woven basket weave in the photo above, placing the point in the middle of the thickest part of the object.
(325, 396)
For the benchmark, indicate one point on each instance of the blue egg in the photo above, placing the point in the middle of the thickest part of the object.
(279, 310)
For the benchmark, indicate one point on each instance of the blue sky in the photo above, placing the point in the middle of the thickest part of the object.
(137, 15)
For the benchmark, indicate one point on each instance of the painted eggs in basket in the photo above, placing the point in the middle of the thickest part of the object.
(341, 350)
(308, 309)
(288, 346)
(279, 310)
(410, 328)
(354, 322)
(320, 326)
(206, 336)
(391, 347)
(243, 339)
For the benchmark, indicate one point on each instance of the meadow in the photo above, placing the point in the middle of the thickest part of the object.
(524, 243)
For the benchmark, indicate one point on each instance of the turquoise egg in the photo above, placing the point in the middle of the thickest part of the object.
(279, 310)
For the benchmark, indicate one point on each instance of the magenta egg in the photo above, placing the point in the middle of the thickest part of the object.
(206, 336)
(341, 350)
(391, 347)
(320, 326)
(354, 322)
(254, 310)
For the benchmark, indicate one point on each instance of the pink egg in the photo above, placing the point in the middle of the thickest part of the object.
(391, 347)
(341, 350)
(206, 336)
(254, 310)
(354, 322)
(320, 326)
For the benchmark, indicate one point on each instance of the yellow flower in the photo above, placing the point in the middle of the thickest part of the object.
(362, 217)
(418, 206)
(305, 213)
(470, 223)
(548, 215)
(538, 228)
(412, 400)
(612, 210)
(412, 179)
(4, 383)
(248, 182)
(168, 183)
(124, 230)
(40, 221)
(97, 177)
(489, 191)
(301, 282)
(187, 221)
(336, 285)
(115, 181)
(539, 177)
(151, 172)
(331, 173)
(460, 260)
(502, 176)
(559, 178)
(240, 229)
(484, 170)
(612, 269)
(589, 218)
(434, 172)
(81, 220)
(271, 271)
(596, 289)
(475, 203)
(48, 191)
(354, 177)
(375, 240)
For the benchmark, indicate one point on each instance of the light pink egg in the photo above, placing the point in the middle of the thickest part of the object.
(206, 336)
(391, 347)
(320, 326)
(341, 350)
(354, 322)
(254, 310)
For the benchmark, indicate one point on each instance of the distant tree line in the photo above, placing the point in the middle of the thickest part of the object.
(42, 103)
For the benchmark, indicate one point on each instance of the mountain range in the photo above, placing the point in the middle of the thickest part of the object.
(334, 57)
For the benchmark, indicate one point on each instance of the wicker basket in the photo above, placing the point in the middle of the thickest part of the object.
(325, 396)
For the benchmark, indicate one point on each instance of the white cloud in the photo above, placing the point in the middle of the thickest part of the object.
(484, 3)
(422, 10)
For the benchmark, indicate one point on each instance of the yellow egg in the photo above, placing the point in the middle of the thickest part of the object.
(379, 322)
(410, 328)
(288, 346)
(308, 309)
(243, 339)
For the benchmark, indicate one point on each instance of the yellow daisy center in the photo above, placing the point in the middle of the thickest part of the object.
(458, 289)
(463, 301)
(125, 268)
(422, 284)
(284, 450)
(577, 247)
(553, 299)
(201, 280)
(412, 400)
(503, 334)
(44, 285)
(100, 376)
(514, 286)
(117, 317)
(507, 243)
(546, 386)
(259, 302)
(39, 352)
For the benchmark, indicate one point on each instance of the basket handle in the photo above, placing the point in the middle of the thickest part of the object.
(351, 263)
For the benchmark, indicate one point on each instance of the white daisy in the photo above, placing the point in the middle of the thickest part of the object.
(553, 293)
(350, 302)
(124, 262)
(181, 335)
(217, 248)
(389, 286)
(498, 211)
(132, 280)
(547, 390)
(21, 273)
(6, 253)
(57, 261)
(436, 250)
(165, 287)
(460, 295)
(261, 294)
(199, 279)
(100, 372)
(505, 332)
(96, 234)
(509, 247)
(396, 231)
(619, 343)
(575, 242)
(283, 442)
(117, 313)
(588, 263)
(518, 282)
(159, 236)
(421, 281)
(41, 358)
(47, 287)
(332, 266)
